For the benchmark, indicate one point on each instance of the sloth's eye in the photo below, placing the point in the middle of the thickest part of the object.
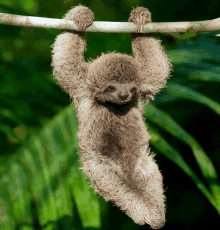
(111, 89)
(133, 90)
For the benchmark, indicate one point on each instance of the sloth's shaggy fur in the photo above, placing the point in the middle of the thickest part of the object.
(113, 139)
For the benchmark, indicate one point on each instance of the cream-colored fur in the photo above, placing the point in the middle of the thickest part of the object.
(113, 139)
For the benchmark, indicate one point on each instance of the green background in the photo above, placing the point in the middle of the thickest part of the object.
(41, 186)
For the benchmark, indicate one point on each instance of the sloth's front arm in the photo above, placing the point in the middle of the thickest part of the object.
(69, 66)
(148, 52)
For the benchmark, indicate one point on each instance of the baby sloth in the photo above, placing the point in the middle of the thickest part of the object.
(107, 93)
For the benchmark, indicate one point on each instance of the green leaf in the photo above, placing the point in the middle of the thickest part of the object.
(7, 219)
(187, 93)
(206, 166)
(50, 165)
(161, 144)
(206, 75)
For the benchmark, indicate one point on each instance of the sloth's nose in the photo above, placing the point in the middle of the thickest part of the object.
(123, 97)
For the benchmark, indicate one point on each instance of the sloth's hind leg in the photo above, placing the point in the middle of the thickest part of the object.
(109, 181)
(149, 181)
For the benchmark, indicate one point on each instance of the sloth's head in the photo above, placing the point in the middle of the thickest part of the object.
(114, 78)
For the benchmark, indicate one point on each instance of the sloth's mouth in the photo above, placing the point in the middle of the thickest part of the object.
(120, 102)
(119, 107)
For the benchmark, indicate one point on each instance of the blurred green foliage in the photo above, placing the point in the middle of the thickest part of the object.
(41, 185)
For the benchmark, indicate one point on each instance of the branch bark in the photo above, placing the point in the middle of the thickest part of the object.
(113, 27)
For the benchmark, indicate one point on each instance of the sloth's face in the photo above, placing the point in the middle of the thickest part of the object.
(119, 93)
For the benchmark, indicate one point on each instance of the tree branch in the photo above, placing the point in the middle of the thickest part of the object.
(113, 27)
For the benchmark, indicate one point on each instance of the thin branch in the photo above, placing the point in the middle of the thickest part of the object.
(113, 27)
